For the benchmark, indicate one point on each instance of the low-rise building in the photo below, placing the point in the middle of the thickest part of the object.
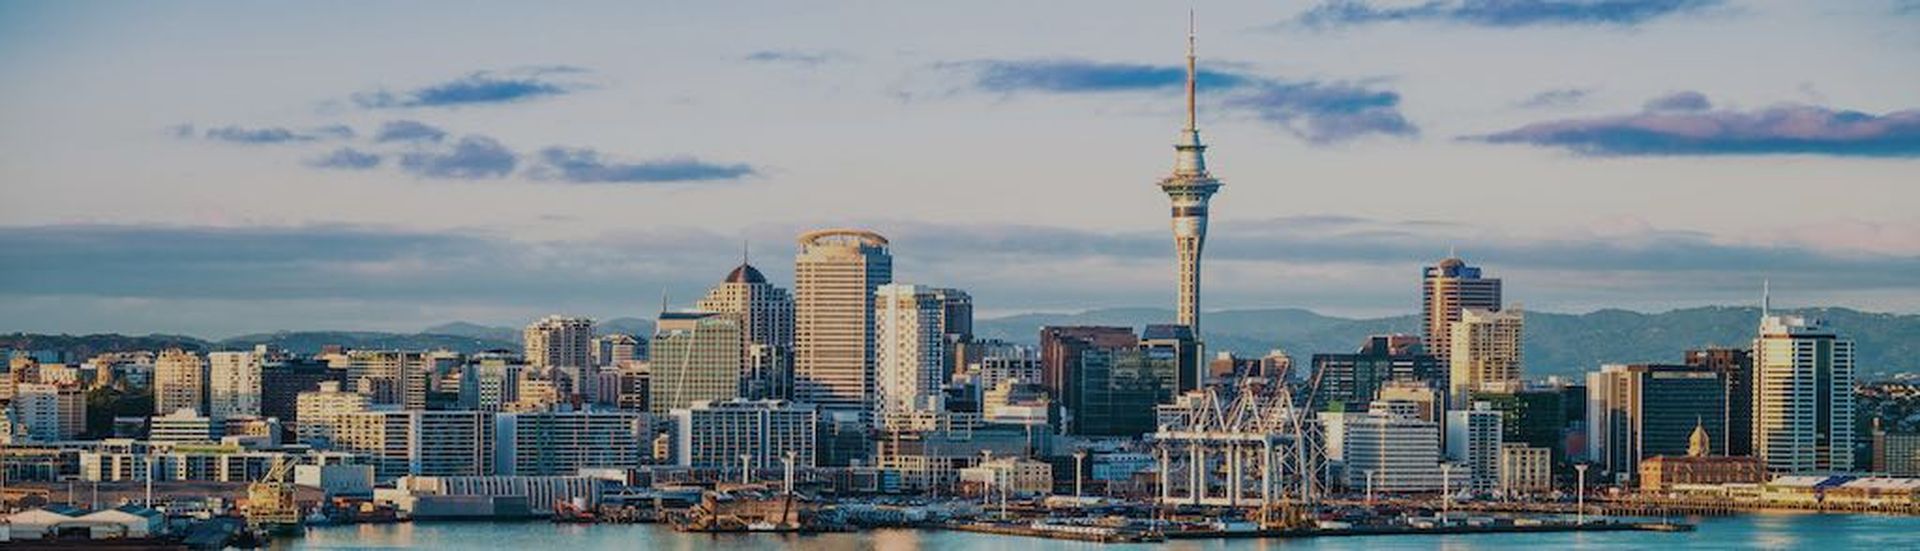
(1525, 469)
(1015, 475)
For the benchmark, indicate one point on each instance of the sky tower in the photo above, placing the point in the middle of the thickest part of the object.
(1188, 188)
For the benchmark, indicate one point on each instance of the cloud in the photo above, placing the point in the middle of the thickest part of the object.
(476, 88)
(1558, 97)
(265, 134)
(581, 165)
(1501, 13)
(794, 57)
(408, 131)
(1322, 112)
(1680, 101)
(1682, 125)
(472, 158)
(346, 158)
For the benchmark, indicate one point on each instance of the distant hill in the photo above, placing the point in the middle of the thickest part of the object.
(85, 346)
(1556, 344)
(625, 326)
(309, 342)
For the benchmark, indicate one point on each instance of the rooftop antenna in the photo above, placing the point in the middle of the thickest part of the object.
(746, 248)
(663, 301)
(1766, 298)
(1192, 125)
(1451, 252)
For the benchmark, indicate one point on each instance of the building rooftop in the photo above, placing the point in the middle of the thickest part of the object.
(746, 273)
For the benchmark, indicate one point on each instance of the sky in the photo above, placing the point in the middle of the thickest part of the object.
(221, 168)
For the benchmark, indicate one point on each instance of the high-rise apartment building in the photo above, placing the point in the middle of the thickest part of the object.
(320, 408)
(1803, 396)
(233, 385)
(716, 434)
(696, 358)
(282, 382)
(1473, 442)
(561, 443)
(1639, 411)
(559, 341)
(179, 382)
(490, 382)
(1387, 449)
(418, 443)
(610, 350)
(1447, 288)
(1485, 347)
(387, 377)
(910, 340)
(835, 275)
(47, 412)
(766, 313)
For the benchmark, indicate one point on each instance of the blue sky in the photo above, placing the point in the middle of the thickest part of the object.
(221, 168)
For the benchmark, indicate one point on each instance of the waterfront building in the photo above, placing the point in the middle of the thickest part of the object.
(1485, 349)
(431, 443)
(696, 359)
(1640, 411)
(1525, 469)
(835, 275)
(318, 409)
(1803, 396)
(1426, 398)
(233, 384)
(766, 313)
(1393, 450)
(1447, 289)
(930, 457)
(179, 379)
(1189, 188)
(1699, 466)
(1535, 416)
(1013, 475)
(909, 351)
(205, 462)
(1895, 453)
(1350, 381)
(1017, 402)
(563, 443)
(1473, 441)
(715, 434)
(183, 425)
(1736, 367)
(559, 341)
(612, 350)
(455, 497)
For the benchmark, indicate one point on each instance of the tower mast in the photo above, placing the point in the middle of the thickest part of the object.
(1188, 188)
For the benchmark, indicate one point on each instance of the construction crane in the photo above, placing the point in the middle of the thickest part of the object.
(270, 501)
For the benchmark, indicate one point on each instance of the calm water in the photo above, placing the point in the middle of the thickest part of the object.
(1758, 531)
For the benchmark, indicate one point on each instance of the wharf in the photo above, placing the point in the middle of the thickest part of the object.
(1095, 536)
(1403, 530)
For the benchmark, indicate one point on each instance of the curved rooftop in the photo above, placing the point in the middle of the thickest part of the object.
(842, 235)
(746, 273)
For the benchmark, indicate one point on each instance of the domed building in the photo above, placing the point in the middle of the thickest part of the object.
(1662, 472)
(766, 315)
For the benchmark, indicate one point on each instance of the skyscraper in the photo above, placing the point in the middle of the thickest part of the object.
(767, 314)
(1353, 380)
(1473, 440)
(835, 275)
(179, 382)
(909, 350)
(559, 341)
(233, 384)
(1640, 411)
(1485, 353)
(696, 358)
(1736, 365)
(1446, 289)
(1061, 349)
(1188, 188)
(1803, 396)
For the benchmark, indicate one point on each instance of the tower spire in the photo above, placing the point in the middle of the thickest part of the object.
(1192, 77)
(1766, 298)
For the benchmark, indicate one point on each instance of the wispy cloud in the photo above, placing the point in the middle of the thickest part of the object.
(346, 158)
(1321, 112)
(1500, 13)
(476, 88)
(1558, 97)
(408, 131)
(263, 134)
(472, 158)
(581, 165)
(1686, 125)
(795, 57)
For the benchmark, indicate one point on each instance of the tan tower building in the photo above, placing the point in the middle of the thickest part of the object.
(559, 341)
(835, 275)
(1446, 289)
(1189, 188)
(766, 313)
(1485, 353)
(179, 380)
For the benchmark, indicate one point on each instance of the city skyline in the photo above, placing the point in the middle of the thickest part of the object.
(1358, 156)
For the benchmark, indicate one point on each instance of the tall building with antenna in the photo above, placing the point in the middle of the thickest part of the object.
(1189, 187)
(766, 316)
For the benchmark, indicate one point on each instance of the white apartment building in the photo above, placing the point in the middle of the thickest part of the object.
(716, 434)
(1473, 443)
(1802, 397)
(233, 384)
(909, 350)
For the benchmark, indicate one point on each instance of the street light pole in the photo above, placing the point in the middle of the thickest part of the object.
(1446, 490)
(746, 469)
(1581, 490)
(1078, 457)
(1369, 488)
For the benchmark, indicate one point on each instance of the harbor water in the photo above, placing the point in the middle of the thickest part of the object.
(1749, 531)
